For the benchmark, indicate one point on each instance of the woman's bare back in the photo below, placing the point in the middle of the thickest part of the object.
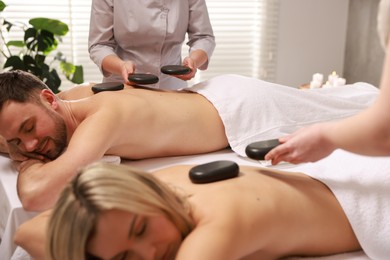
(266, 214)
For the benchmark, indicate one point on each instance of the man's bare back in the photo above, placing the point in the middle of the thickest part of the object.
(151, 123)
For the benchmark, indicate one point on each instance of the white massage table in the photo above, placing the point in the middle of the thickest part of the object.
(12, 214)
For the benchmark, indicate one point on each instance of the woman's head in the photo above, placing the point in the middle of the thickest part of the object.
(98, 193)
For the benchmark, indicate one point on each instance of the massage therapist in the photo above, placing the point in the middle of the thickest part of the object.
(128, 36)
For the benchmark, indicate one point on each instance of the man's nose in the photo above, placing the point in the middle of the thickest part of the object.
(30, 144)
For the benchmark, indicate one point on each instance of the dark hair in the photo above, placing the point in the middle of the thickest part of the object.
(19, 86)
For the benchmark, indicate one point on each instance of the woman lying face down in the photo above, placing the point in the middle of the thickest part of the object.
(116, 212)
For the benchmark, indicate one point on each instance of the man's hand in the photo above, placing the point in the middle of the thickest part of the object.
(3, 145)
(17, 155)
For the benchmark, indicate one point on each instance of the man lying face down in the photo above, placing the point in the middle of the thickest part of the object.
(55, 137)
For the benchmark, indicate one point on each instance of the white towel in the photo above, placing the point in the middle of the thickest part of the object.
(20, 254)
(254, 110)
(362, 186)
(111, 159)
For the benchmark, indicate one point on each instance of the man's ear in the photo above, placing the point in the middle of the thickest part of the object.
(49, 98)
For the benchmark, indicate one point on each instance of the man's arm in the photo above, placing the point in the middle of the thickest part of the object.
(31, 235)
(39, 184)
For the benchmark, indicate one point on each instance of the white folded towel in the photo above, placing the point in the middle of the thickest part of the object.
(111, 159)
(254, 110)
(362, 186)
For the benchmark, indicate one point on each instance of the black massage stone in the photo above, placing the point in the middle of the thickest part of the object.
(258, 150)
(143, 78)
(175, 70)
(214, 171)
(107, 86)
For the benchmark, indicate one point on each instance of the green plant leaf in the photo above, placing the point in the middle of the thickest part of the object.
(78, 75)
(67, 68)
(19, 44)
(73, 73)
(31, 65)
(52, 25)
(29, 38)
(52, 80)
(40, 59)
(2, 6)
(8, 25)
(60, 57)
(46, 41)
(15, 63)
(40, 41)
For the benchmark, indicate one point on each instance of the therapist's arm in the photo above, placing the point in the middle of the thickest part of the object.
(113, 64)
(200, 33)
(366, 133)
(196, 59)
(31, 235)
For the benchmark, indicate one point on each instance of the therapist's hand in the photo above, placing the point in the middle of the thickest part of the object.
(127, 68)
(308, 144)
(188, 62)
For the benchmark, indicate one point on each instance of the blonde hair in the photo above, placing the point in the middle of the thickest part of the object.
(101, 187)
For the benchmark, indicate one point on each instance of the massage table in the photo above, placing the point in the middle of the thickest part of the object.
(12, 214)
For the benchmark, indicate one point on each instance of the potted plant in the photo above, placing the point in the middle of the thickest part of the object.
(30, 54)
